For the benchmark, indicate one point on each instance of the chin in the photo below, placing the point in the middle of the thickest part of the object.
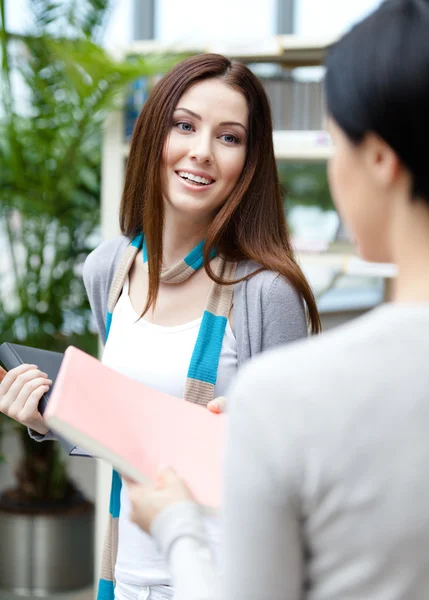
(190, 208)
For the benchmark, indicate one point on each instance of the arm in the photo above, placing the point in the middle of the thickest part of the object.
(181, 537)
(262, 544)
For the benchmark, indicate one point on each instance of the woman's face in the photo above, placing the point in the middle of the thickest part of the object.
(356, 183)
(205, 150)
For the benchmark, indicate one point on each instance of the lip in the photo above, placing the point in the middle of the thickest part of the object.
(194, 187)
(196, 173)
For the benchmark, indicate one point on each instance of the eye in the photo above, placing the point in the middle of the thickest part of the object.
(183, 125)
(229, 138)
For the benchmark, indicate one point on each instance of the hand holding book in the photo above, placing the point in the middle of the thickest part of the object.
(149, 499)
(21, 390)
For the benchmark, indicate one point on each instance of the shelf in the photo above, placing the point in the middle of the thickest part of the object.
(290, 51)
(347, 264)
(302, 146)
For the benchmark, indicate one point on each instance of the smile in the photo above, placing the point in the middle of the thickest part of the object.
(195, 180)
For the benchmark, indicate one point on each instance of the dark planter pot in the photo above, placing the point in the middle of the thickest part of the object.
(43, 554)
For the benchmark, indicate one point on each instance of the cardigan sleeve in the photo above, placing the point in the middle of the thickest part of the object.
(268, 312)
(98, 272)
(283, 318)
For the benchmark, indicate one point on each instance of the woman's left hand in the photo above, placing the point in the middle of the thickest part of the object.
(217, 405)
(149, 499)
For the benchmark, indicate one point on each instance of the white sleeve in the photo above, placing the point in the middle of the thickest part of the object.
(180, 535)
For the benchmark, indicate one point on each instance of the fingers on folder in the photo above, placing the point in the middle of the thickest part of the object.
(217, 405)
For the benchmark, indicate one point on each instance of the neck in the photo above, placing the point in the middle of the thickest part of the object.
(181, 235)
(410, 239)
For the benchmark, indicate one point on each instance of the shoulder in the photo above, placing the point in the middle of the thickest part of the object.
(306, 395)
(269, 286)
(100, 262)
(272, 306)
(320, 368)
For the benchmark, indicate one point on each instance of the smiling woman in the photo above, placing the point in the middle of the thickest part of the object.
(203, 276)
(209, 116)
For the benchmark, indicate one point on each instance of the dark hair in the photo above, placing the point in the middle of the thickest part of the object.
(377, 80)
(251, 224)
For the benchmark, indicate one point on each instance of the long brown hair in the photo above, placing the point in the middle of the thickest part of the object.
(251, 224)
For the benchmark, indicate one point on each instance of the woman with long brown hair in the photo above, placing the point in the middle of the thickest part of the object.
(203, 276)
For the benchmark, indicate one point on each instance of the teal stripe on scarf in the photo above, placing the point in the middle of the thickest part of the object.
(206, 354)
(137, 240)
(115, 495)
(195, 258)
(144, 251)
(108, 324)
(106, 590)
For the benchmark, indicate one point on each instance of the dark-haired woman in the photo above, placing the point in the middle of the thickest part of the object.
(201, 208)
(327, 492)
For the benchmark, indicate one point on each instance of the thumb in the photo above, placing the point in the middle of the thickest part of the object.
(3, 374)
(217, 405)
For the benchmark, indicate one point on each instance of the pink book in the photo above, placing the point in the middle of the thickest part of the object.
(136, 428)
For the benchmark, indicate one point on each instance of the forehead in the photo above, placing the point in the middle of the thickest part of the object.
(216, 99)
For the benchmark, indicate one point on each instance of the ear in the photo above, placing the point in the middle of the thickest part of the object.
(382, 162)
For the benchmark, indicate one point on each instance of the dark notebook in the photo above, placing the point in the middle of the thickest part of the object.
(13, 355)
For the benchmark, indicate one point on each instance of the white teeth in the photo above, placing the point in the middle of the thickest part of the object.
(196, 178)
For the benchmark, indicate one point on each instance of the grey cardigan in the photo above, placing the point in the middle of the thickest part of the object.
(267, 310)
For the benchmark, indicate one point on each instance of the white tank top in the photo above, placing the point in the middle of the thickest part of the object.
(159, 357)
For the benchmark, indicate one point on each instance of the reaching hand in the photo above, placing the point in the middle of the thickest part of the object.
(149, 499)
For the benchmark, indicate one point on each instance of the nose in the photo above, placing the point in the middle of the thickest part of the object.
(201, 150)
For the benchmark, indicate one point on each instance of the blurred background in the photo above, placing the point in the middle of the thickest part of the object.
(74, 76)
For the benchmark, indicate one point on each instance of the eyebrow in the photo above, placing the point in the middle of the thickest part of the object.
(200, 119)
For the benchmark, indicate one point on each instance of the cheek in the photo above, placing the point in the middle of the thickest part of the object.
(342, 187)
(232, 168)
(172, 151)
(334, 179)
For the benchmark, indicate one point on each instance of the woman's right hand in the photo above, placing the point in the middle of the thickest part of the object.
(20, 392)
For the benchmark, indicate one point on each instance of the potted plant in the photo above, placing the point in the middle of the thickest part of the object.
(57, 83)
(46, 524)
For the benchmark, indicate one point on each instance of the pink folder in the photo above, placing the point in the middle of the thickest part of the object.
(136, 428)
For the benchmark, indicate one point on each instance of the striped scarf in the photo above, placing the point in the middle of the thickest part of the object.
(202, 372)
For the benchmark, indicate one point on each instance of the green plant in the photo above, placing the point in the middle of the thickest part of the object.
(57, 84)
(305, 184)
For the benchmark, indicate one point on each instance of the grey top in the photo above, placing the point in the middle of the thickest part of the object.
(267, 310)
(326, 472)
